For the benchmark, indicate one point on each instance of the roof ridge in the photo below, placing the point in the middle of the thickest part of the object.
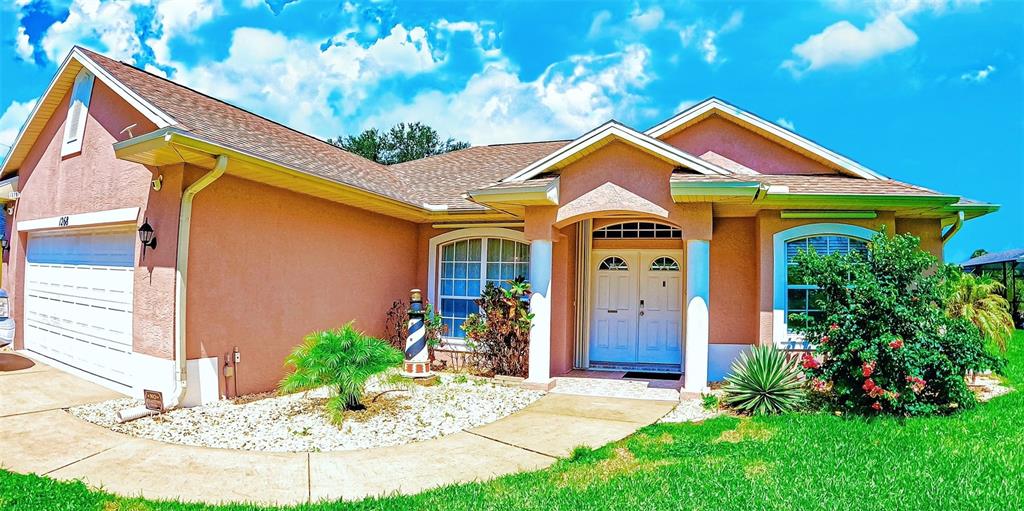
(92, 54)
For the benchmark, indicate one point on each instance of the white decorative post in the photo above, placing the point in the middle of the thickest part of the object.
(417, 356)
(698, 262)
(540, 306)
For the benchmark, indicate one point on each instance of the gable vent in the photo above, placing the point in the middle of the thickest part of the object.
(78, 110)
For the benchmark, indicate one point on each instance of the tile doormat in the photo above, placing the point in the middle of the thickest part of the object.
(639, 375)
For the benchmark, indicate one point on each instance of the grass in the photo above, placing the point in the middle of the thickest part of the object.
(973, 460)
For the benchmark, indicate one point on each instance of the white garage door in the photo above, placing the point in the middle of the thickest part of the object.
(78, 300)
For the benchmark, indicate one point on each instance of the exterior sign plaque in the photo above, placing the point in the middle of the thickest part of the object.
(154, 400)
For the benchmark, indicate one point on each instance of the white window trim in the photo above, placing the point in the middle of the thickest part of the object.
(442, 239)
(779, 327)
(80, 91)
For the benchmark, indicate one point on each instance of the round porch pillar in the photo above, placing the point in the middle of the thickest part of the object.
(698, 291)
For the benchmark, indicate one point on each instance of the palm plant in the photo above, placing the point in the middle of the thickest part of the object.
(978, 299)
(342, 359)
(763, 383)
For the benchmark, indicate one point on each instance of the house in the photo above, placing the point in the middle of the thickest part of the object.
(662, 250)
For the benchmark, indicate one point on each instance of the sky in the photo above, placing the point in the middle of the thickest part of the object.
(925, 91)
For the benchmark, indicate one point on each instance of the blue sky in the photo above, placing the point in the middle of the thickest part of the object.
(930, 92)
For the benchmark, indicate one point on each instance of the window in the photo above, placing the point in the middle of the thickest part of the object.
(78, 108)
(803, 298)
(638, 230)
(467, 265)
(664, 264)
(613, 264)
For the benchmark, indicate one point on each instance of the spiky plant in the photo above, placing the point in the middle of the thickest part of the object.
(343, 359)
(978, 300)
(765, 382)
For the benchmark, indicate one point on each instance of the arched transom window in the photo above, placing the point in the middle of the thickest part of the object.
(467, 265)
(803, 298)
(638, 230)
(613, 264)
(664, 264)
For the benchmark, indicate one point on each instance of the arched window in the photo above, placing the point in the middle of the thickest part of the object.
(613, 264)
(467, 265)
(638, 230)
(803, 298)
(664, 264)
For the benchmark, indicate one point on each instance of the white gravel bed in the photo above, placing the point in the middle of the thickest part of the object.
(628, 389)
(690, 410)
(298, 423)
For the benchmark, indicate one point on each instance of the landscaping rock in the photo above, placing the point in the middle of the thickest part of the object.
(297, 422)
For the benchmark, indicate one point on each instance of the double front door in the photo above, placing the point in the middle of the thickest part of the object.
(636, 314)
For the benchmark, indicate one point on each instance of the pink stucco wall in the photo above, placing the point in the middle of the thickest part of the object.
(94, 180)
(733, 282)
(268, 266)
(744, 146)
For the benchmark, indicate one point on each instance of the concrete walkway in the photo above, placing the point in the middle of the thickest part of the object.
(37, 436)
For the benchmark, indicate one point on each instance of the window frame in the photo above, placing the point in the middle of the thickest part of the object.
(641, 227)
(434, 261)
(780, 317)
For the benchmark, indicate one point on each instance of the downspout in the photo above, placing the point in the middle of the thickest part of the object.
(181, 282)
(958, 222)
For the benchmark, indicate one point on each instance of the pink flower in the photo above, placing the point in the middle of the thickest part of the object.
(824, 339)
(916, 384)
(896, 344)
(868, 368)
(876, 406)
(809, 362)
(833, 327)
(869, 385)
(819, 385)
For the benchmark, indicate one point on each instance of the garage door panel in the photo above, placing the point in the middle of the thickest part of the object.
(78, 299)
(96, 283)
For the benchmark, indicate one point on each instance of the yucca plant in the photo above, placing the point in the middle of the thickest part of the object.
(978, 300)
(765, 382)
(342, 359)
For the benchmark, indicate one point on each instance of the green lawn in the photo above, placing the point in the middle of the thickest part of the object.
(974, 460)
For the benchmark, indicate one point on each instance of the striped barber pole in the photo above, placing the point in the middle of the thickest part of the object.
(417, 357)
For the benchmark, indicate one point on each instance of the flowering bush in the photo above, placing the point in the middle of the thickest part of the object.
(883, 342)
(500, 333)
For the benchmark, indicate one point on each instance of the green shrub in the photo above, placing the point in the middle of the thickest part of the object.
(765, 382)
(500, 333)
(709, 402)
(884, 342)
(343, 359)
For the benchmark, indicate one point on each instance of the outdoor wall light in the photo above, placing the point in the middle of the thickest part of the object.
(5, 244)
(147, 237)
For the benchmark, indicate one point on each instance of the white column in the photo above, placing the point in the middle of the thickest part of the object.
(540, 306)
(698, 261)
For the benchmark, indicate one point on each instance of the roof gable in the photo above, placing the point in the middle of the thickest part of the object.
(772, 131)
(60, 86)
(609, 132)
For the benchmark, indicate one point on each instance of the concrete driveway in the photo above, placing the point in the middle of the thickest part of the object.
(39, 437)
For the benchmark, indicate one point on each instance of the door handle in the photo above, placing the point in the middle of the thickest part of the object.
(641, 313)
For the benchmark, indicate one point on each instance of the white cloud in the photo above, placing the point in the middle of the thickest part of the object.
(708, 45)
(484, 34)
(22, 46)
(569, 98)
(111, 22)
(903, 8)
(11, 121)
(785, 123)
(844, 44)
(646, 20)
(597, 24)
(177, 18)
(294, 82)
(686, 104)
(980, 75)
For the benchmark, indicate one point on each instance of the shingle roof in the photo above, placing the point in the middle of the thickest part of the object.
(442, 179)
(234, 127)
(820, 184)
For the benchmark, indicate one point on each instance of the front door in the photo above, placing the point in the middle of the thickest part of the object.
(637, 307)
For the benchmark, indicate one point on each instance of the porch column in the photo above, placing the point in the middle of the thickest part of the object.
(695, 374)
(540, 306)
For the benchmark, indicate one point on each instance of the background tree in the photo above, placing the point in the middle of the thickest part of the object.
(978, 253)
(403, 142)
(978, 300)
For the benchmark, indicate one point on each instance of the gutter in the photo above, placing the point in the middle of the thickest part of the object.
(958, 222)
(181, 284)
